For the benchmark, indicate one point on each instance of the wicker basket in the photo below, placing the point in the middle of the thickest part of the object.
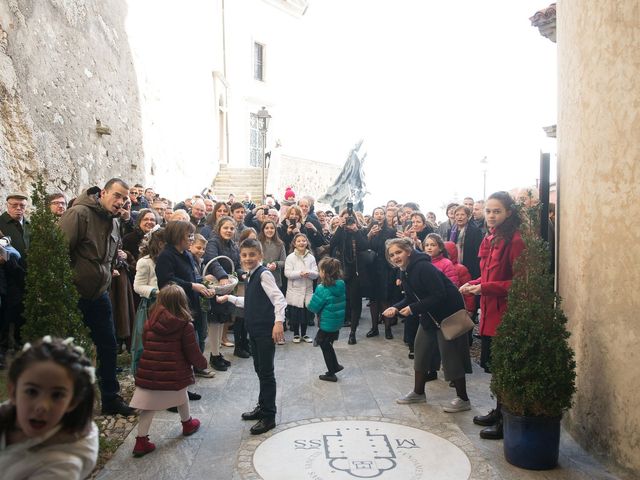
(222, 289)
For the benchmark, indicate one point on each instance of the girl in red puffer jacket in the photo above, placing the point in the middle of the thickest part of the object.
(166, 367)
(434, 247)
(463, 277)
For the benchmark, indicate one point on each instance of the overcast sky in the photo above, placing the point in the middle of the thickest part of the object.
(432, 87)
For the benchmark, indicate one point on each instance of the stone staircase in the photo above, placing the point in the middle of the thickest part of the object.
(238, 180)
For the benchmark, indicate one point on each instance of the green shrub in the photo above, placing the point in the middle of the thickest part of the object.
(51, 300)
(532, 363)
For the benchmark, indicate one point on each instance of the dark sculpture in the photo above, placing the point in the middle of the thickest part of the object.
(350, 184)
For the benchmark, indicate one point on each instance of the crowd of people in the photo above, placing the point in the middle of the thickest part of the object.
(167, 281)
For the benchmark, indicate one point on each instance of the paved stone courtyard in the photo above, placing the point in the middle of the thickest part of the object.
(376, 372)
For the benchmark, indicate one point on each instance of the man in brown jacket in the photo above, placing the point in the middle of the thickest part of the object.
(91, 227)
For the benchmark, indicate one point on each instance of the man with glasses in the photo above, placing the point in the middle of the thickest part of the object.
(92, 227)
(57, 204)
(13, 224)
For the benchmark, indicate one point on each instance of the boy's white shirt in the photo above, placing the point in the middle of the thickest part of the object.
(268, 282)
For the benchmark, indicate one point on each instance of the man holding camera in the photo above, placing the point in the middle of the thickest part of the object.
(348, 240)
(15, 226)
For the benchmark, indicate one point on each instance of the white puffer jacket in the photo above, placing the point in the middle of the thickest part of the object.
(300, 289)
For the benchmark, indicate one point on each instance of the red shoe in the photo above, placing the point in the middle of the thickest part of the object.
(190, 427)
(143, 446)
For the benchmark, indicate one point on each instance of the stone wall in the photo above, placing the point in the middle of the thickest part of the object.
(306, 177)
(64, 67)
(599, 235)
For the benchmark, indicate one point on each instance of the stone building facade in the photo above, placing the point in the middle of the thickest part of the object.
(598, 232)
(65, 70)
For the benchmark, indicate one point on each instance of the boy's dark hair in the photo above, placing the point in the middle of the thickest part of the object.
(331, 270)
(236, 206)
(76, 363)
(176, 230)
(412, 205)
(174, 300)
(251, 243)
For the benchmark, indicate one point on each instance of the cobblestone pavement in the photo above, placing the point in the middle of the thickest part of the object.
(376, 372)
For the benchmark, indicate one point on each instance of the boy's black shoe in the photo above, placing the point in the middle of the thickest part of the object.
(263, 425)
(374, 332)
(352, 339)
(217, 363)
(241, 353)
(494, 432)
(193, 395)
(225, 361)
(117, 407)
(339, 369)
(431, 376)
(255, 414)
(328, 377)
(489, 419)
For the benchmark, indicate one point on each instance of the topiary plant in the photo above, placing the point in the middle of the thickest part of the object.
(51, 300)
(532, 364)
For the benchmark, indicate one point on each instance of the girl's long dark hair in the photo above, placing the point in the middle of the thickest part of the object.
(511, 224)
(76, 363)
(438, 239)
(263, 238)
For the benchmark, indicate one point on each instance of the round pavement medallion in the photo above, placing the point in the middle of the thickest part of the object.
(353, 449)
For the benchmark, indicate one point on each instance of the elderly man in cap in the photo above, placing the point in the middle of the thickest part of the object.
(13, 224)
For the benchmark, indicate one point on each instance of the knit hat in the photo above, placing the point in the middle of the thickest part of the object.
(289, 194)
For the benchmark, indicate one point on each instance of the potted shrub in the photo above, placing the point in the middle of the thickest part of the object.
(532, 363)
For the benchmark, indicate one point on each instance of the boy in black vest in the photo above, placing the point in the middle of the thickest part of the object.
(264, 306)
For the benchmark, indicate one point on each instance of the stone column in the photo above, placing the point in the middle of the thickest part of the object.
(599, 246)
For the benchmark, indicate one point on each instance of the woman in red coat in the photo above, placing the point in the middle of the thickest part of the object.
(166, 367)
(498, 252)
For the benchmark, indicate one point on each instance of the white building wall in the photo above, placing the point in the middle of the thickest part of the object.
(176, 47)
(249, 21)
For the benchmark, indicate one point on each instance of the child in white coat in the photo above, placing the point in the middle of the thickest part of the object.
(301, 270)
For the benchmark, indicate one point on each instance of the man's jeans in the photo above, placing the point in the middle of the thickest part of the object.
(97, 317)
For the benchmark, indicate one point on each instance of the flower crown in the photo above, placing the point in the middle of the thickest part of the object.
(68, 342)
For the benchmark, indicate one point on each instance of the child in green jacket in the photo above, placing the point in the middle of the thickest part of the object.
(329, 302)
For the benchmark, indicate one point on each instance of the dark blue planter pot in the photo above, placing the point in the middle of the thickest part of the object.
(531, 442)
